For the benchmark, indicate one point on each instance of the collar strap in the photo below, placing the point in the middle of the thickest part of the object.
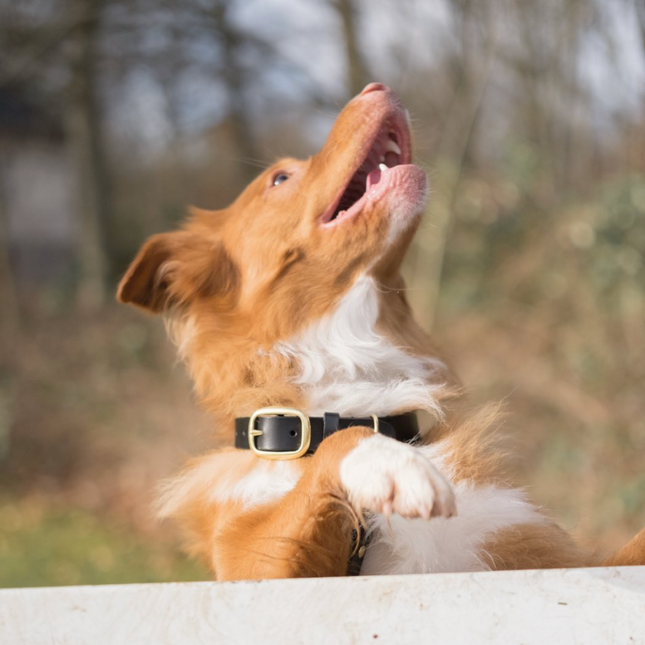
(284, 433)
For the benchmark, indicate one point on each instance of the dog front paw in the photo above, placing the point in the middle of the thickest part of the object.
(384, 476)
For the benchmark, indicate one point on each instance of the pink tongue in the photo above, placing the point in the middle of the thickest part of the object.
(373, 178)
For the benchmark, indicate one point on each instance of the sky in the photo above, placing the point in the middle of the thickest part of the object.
(307, 34)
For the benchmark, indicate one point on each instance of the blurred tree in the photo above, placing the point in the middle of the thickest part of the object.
(211, 42)
(85, 127)
(237, 82)
(53, 46)
(10, 319)
(640, 15)
(10, 325)
(470, 65)
(357, 72)
(639, 9)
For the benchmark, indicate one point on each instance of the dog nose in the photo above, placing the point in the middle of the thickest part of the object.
(375, 87)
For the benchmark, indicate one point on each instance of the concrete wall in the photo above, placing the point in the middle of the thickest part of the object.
(577, 606)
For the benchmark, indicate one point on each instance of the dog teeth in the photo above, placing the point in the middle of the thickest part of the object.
(392, 147)
(382, 167)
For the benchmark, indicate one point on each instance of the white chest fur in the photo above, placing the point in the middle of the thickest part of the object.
(349, 368)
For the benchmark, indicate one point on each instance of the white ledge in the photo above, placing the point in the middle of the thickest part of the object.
(587, 606)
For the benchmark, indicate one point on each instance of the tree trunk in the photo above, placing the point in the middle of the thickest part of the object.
(234, 80)
(10, 322)
(84, 128)
(10, 318)
(357, 74)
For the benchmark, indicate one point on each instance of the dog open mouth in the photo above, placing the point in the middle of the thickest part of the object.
(389, 148)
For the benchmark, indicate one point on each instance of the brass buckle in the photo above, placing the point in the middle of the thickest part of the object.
(305, 440)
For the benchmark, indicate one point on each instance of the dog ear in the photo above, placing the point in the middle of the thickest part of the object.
(174, 268)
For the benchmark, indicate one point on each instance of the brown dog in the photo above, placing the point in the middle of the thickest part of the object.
(292, 297)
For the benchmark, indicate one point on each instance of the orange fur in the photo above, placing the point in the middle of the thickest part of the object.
(533, 547)
(237, 281)
(633, 553)
(305, 533)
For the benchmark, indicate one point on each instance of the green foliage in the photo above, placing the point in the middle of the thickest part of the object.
(42, 546)
(542, 304)
(617, 235)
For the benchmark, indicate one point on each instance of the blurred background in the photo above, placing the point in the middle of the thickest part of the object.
(529, 267)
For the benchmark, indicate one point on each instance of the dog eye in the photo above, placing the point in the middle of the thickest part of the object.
(280, 178)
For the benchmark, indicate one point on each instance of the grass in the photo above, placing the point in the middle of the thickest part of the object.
(41, 546)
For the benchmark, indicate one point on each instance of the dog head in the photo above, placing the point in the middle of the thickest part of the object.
(293, 243)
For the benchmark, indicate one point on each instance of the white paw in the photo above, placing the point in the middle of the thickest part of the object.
(385, 476)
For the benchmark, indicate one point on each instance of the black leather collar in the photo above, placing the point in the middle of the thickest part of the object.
(283, 433)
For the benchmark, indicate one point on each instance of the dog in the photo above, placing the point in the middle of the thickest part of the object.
(351, 453)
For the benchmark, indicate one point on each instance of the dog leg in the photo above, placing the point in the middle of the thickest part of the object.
(307, 532)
